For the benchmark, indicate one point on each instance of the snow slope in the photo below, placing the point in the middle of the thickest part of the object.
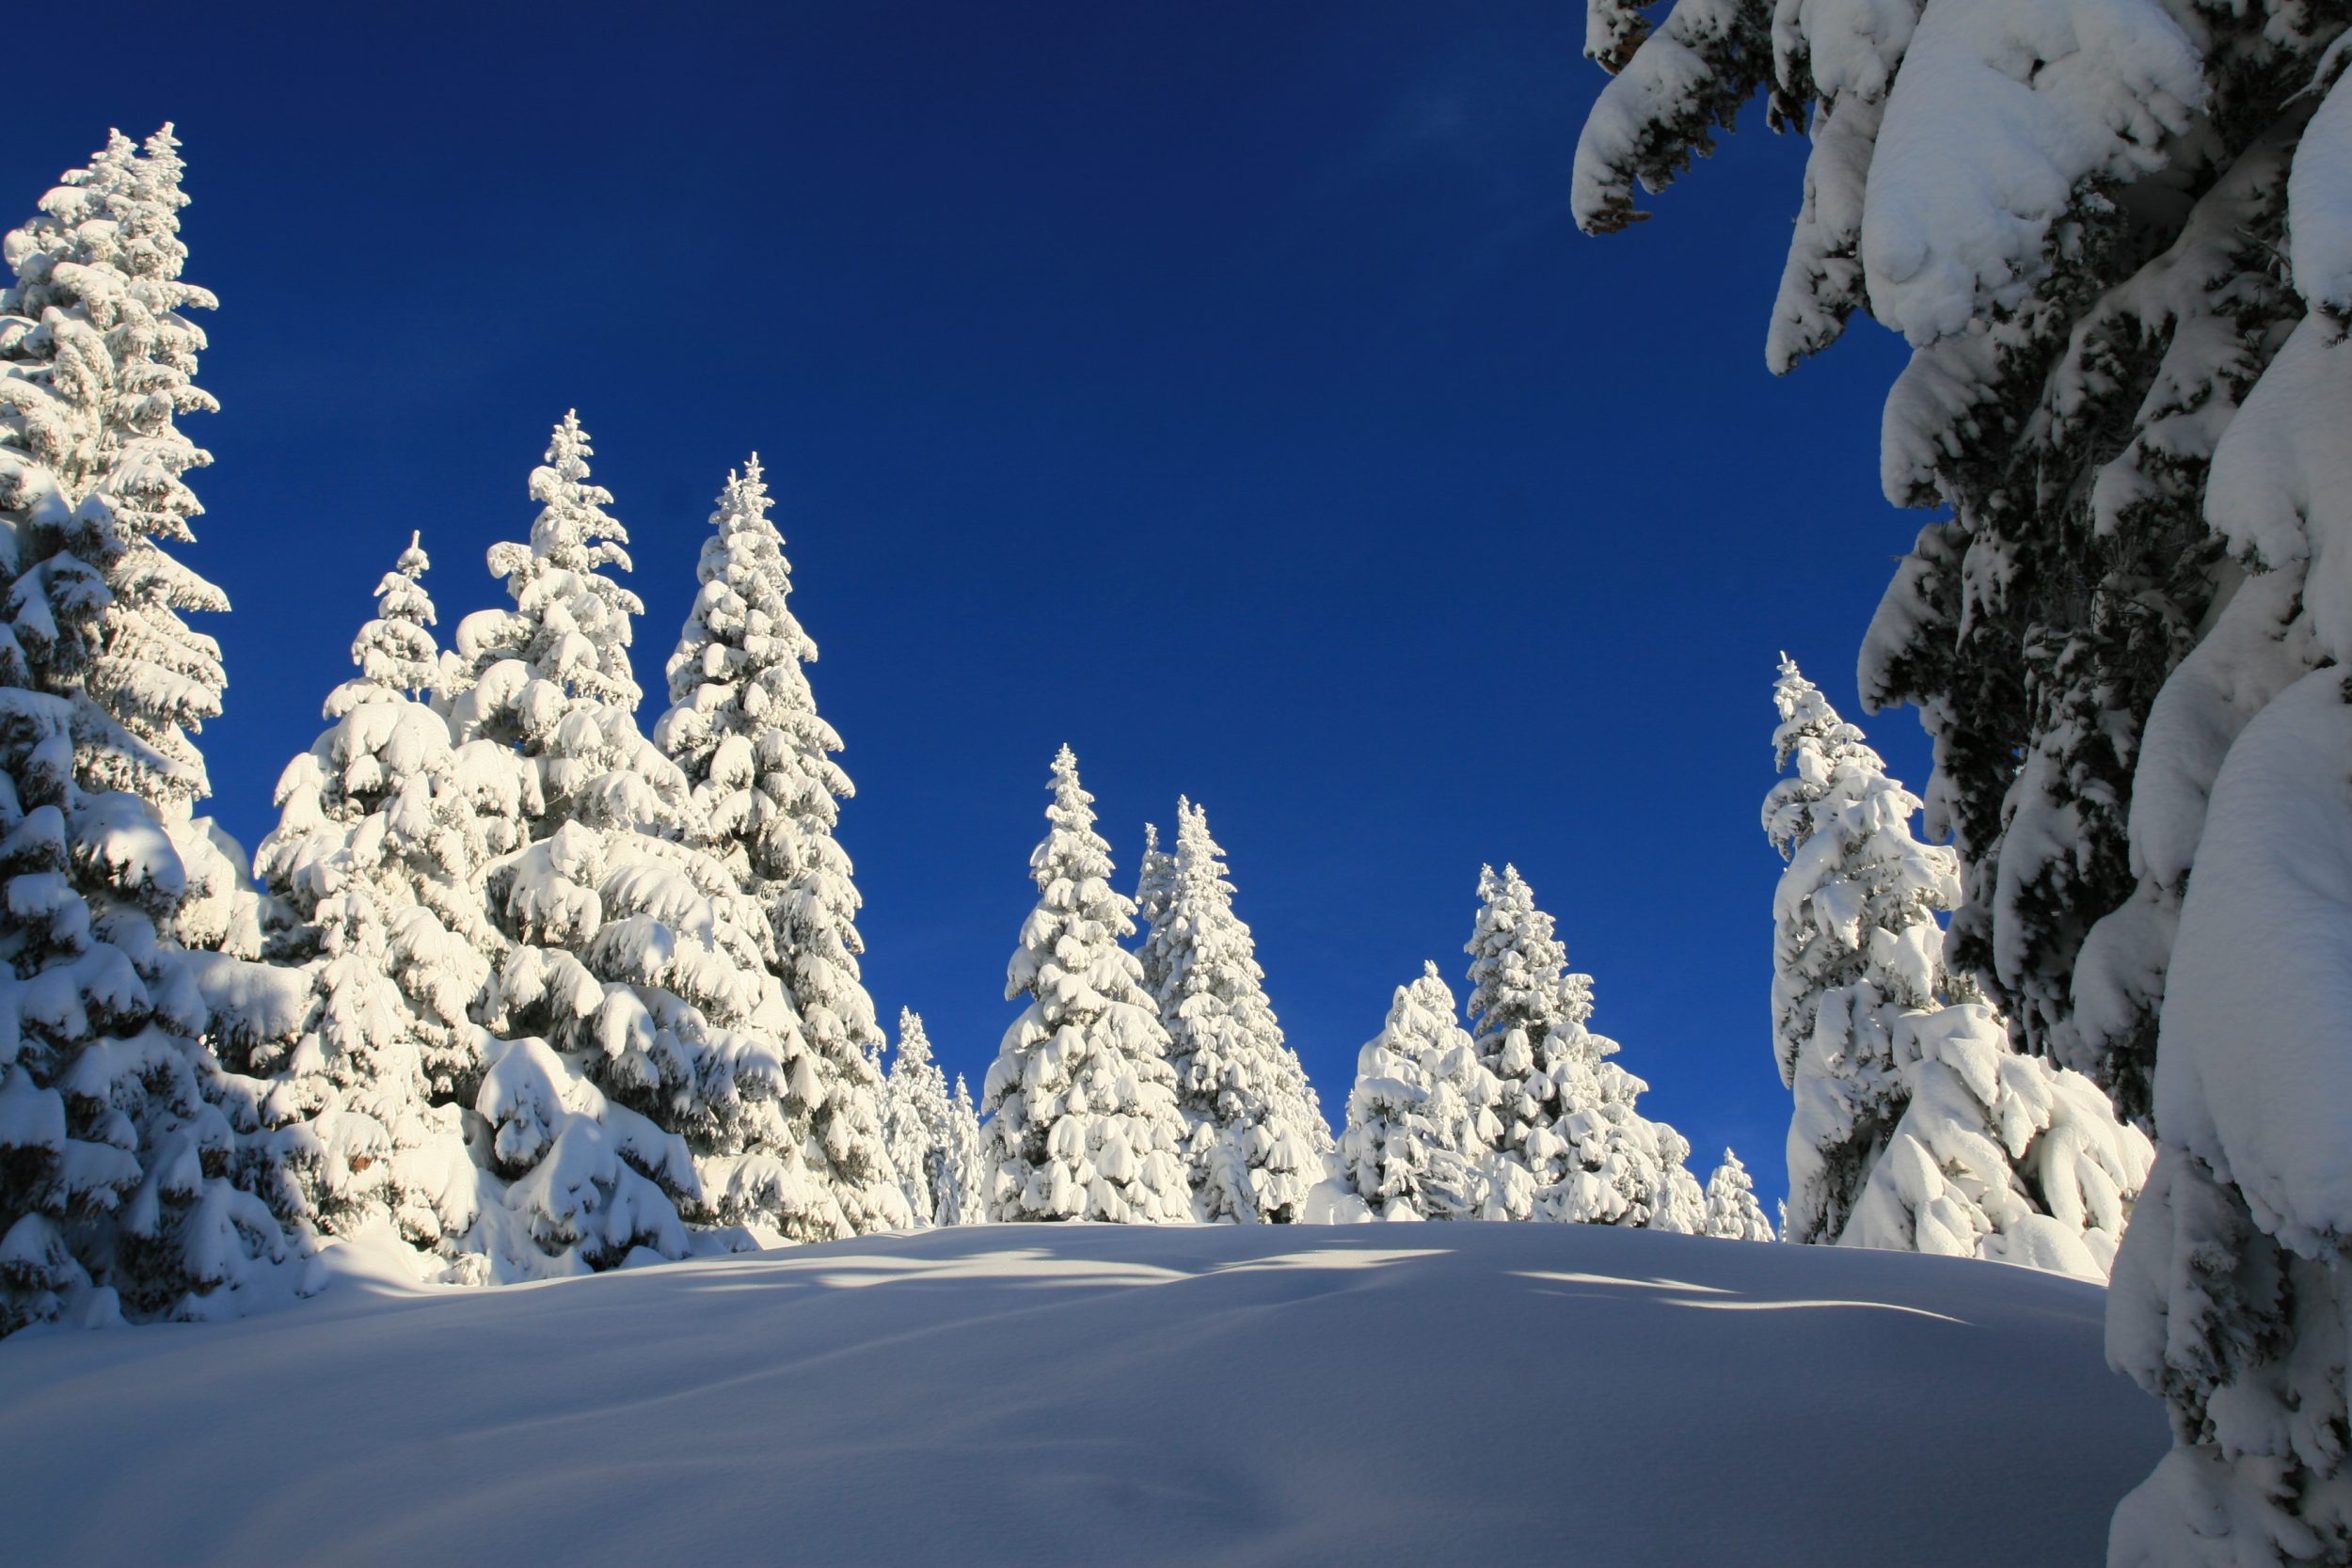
(1109, 1394)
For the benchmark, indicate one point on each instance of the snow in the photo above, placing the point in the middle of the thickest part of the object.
(2281, 484)
(1822, 281)
(2274, 878)
(2320, 194)
(1138, 1395)
(2002, 109)
(2258, 646)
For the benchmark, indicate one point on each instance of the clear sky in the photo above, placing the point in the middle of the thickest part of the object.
(1222, 388)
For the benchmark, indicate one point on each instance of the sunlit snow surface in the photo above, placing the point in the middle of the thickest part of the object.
(1528, 1394)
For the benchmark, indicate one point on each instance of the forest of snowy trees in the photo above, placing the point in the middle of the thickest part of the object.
(517, 987)
(522, 986)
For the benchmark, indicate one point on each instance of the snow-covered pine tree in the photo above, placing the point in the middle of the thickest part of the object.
(1421, 1134)
(1676, 1202)
(1258, 1137)
(743, 725)
(2234, 1282)
(1574, 1146)
(2076, 215)
(119, 1130)
(116, 1124)
(1083, 1121)
(1916, 1126)
(960, 1182)
(1855, 945)
(376, 1058)
(934, 1136)
(1998, 1154)
(1732, 1212)
(917, 1117)
(2115, 236)
(101, 362)
(647, 1066)
(1155, 884)
(118, 363)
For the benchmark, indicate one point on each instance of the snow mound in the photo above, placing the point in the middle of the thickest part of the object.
(1048, 1393)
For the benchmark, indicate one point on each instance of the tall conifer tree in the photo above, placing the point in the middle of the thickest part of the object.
(1855, 945)
(1917, 1127)
(1083, 1121)
(743, 725)
(1421, 1138)
(1732, 1212)
(1257, 1133)
(653, 1067)
(1575, 1147)
(1156, 885)
(376, 1058)
(118, 1128)
(2114, 236)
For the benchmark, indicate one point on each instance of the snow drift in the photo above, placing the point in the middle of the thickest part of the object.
(1047, 1394)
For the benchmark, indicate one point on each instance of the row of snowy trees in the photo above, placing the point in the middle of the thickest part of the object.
(1520, 1116)
(2117, 235)
(534, 990)
(1150, 1085)
(515, 988)
(1155, 1084)
(519, 989)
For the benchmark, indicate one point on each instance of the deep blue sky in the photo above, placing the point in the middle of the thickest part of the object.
(1218, 388)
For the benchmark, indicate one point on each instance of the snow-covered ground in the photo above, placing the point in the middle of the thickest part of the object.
(1429, 1394)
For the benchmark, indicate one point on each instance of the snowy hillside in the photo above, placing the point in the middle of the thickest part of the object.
(1048, 1393)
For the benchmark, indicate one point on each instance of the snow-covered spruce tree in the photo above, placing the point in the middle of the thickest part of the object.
(1855, 945)
(118, 1128)
(1575, 1147)
(960, 1182)
(1258, 1137)
(645, 1068)
(1155, 884)
(102, 361)
(2124, 396)
(99, 362)
(1916, 1126)
(363, 1016)
(1732, 1212)
(116, 1124)
(918, 1121)
(2074, 214)
(1081, 1101)
(933, 1133)
(1421, 1134)
(1996, 1154)
(105, 361)
(743, 725)
(2234, 1283)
